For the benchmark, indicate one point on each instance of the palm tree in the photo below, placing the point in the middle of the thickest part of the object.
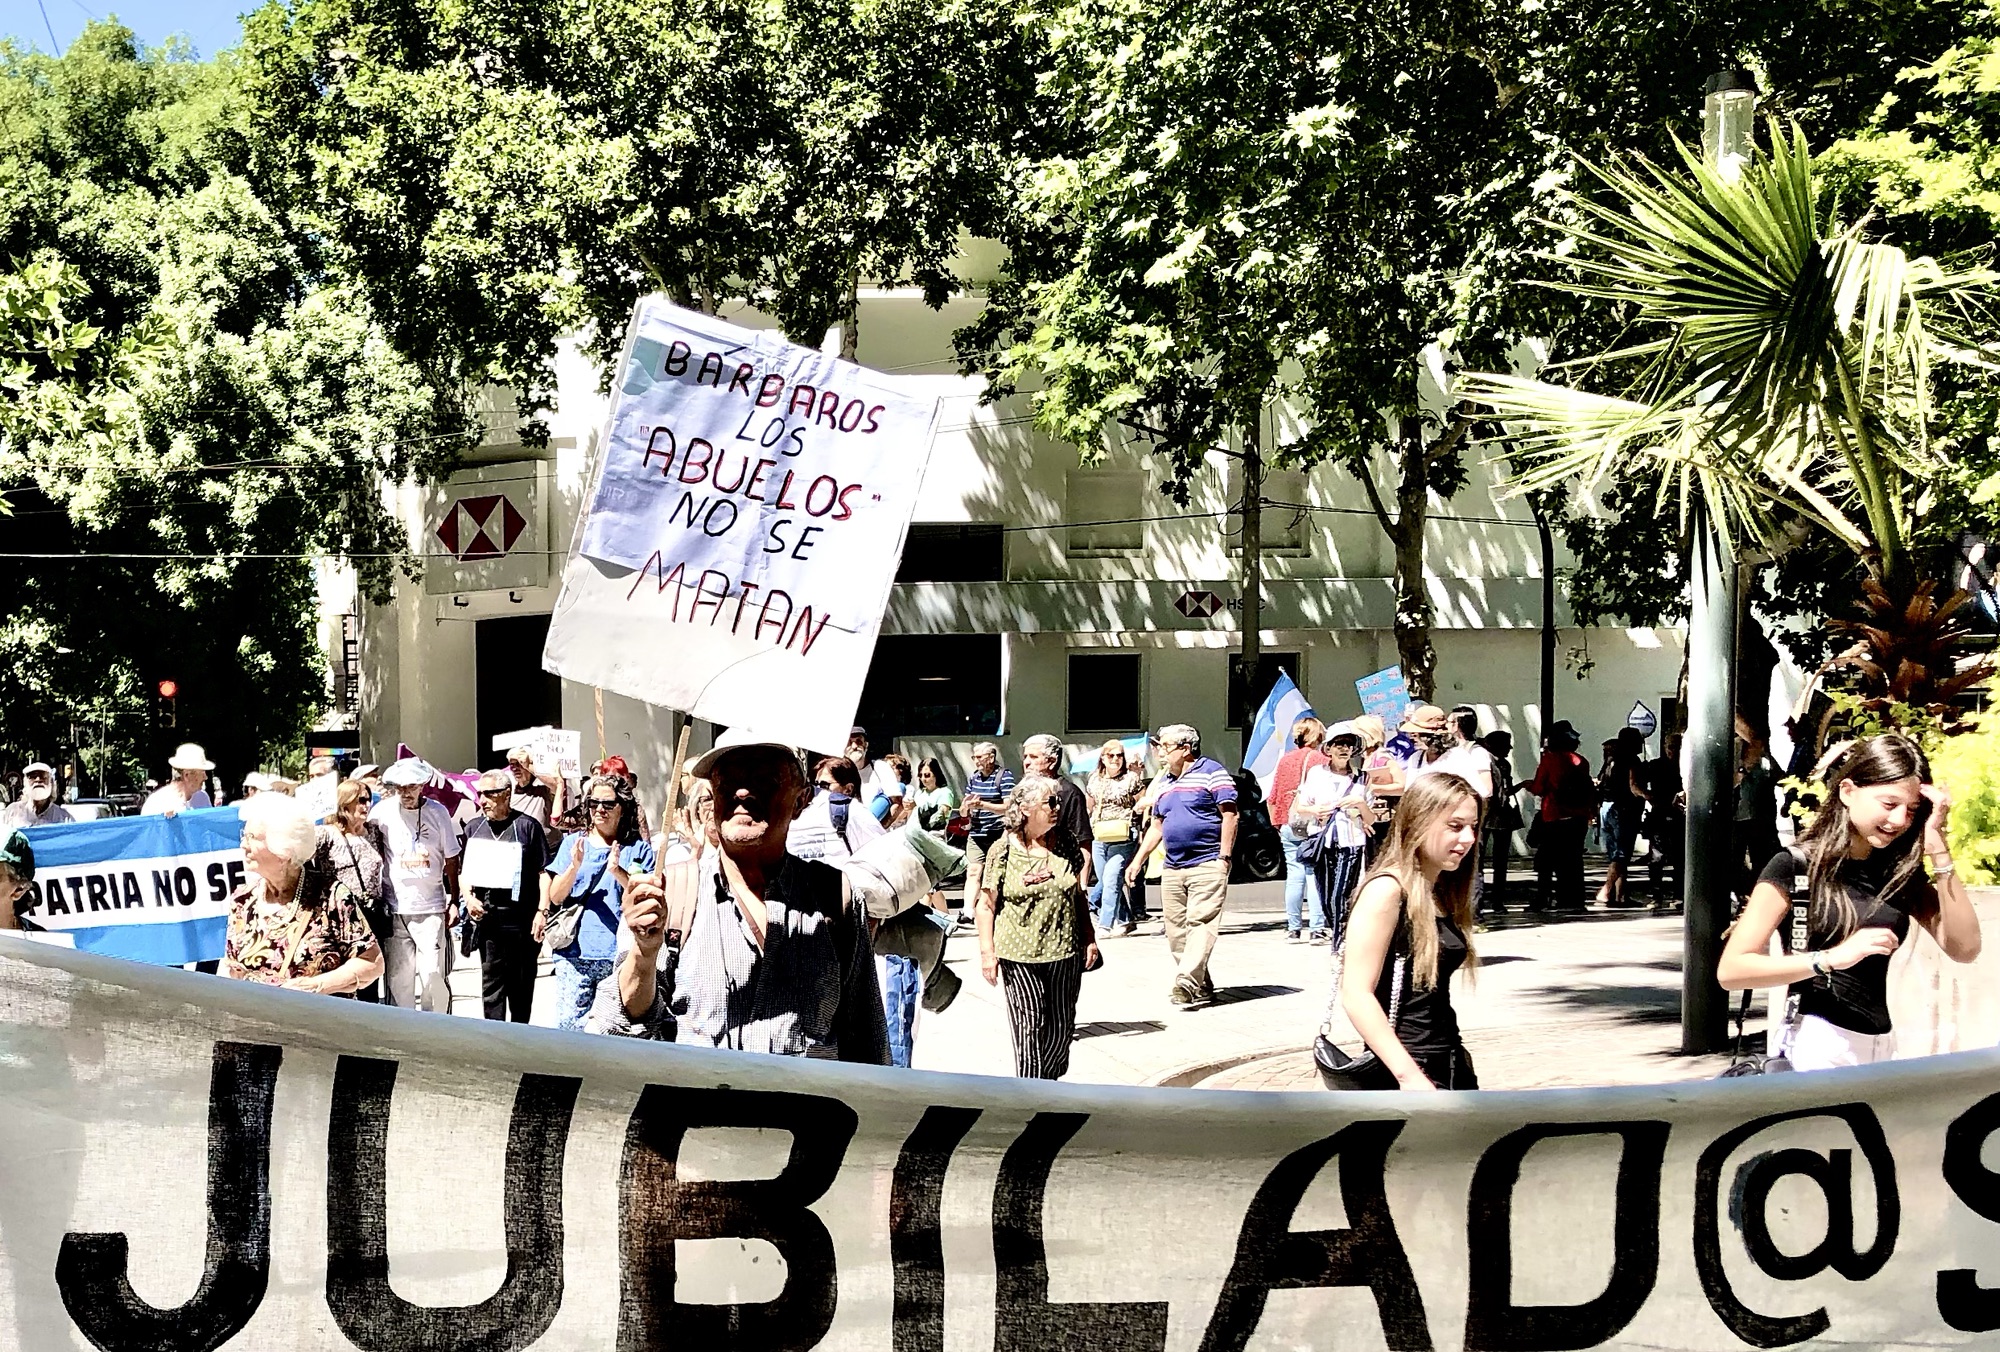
(1784, 370)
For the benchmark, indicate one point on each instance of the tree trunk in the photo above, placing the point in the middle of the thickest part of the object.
(1414, 651)
(850, 322)
(1253, 561)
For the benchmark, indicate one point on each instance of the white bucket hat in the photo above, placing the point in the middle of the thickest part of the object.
(189, 756)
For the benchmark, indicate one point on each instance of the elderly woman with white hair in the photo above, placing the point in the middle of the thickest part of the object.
(292, 925)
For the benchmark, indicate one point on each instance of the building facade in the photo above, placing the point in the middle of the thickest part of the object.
(1036, 594)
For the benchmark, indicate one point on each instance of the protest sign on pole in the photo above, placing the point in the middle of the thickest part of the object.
(743, 529)
(1384, 694)
(152, 889)
(394, 1181)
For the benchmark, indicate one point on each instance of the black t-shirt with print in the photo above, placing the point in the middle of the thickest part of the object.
(1856, 999)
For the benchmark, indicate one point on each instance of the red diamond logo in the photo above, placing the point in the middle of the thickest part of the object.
(484, 527)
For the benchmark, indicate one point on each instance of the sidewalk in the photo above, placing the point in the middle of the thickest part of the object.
(1602, 987)
(1563, 1000)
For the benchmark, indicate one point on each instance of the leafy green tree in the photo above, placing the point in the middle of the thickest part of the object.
(195, 412)
(1782, 368)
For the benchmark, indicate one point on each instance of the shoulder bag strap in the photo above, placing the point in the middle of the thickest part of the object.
(296, 932)
(1397, 971)
(1799, 938)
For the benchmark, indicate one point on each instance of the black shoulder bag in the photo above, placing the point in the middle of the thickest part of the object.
(1779, 1039)
(1338, 1070)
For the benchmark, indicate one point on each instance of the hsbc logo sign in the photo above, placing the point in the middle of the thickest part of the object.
(483, 527)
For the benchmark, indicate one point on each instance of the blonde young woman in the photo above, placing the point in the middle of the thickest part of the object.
(1415, 906)
(1112, 792)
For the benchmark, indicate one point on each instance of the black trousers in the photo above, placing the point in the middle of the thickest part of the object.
(1041, 1005)
(1559, 858)
(507, 962)
(1449, 1069)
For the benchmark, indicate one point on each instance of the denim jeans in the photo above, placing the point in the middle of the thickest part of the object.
(577, 980)
(1300, 884)
(1107, 895)
(901, 989)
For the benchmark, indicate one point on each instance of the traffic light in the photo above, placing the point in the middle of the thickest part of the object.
(168, 691)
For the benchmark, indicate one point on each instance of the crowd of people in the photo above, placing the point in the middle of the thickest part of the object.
(736, 926)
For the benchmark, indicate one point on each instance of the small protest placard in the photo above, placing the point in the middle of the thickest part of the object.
(744, 528)
(1384, 694)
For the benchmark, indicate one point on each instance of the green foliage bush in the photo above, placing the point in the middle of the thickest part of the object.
(1968, 766)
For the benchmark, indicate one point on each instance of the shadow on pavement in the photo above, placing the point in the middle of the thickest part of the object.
(1236, 995)
(1114, 1028)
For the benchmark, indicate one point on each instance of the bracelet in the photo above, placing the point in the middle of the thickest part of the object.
(1944, 870)
(1819, 964)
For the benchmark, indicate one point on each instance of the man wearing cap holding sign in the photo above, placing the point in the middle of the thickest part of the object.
(747, 946)
(38, 805)
(185, 791)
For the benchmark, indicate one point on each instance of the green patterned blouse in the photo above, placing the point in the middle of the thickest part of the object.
(1038, 904)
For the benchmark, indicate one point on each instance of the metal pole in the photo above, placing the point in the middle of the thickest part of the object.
(1728, 117)
(1711, 785)
(1253, 566)
(1548, 620)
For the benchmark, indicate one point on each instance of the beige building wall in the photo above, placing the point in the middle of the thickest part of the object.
(1328, 594)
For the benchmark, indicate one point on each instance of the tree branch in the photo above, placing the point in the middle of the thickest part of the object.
(1391, 527)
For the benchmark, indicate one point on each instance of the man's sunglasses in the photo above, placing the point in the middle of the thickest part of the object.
(495, 793)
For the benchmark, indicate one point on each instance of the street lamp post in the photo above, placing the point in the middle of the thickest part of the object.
(1729, 109)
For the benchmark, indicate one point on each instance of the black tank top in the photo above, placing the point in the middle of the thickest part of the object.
(1426, 1022)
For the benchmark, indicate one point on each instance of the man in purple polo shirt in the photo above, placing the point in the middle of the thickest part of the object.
(1194, 812)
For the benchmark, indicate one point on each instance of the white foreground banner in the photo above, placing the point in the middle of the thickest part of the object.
(394, 1181)
(744, 528)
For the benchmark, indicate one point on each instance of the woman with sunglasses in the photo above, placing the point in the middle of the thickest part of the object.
(590, 870)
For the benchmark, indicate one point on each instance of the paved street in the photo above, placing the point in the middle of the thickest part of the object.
(1590, 999)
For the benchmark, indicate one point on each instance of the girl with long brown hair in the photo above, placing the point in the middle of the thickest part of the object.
(1859, 871)
(1409, 930)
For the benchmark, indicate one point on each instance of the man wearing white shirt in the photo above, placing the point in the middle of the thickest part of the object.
(877, 776)
(38, 805)
(422, 853)
(185, 791)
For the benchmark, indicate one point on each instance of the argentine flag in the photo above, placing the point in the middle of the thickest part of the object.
(151, 889)
(1271, 734)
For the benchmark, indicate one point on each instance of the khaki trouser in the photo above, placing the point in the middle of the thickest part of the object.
(1191, 903)
(417, 963)
(975, 869)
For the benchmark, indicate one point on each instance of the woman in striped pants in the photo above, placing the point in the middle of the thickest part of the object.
(1035, 936)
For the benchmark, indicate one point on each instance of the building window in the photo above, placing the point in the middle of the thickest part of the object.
(1284, 530)
(953, 551)
(931, 685)
(1104, 692)
(1111, 497)
(1246, 696)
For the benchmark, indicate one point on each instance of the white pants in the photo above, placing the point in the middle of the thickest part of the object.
(1819, 1045)
(416, 961)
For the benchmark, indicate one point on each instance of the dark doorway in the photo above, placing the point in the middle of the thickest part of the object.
(512, 689)
(931, 685)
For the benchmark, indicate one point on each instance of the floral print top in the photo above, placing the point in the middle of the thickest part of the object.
(322, 927)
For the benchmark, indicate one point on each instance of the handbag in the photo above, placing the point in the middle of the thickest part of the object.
(1111, 831)
(1337, 1070)
(1778, 1059)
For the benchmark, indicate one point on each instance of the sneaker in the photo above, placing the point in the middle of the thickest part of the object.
(1320, 936)
(1183, 991)
(1295, 936)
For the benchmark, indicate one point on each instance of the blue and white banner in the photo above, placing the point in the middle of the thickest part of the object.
(1271, 733)
(152, 889)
